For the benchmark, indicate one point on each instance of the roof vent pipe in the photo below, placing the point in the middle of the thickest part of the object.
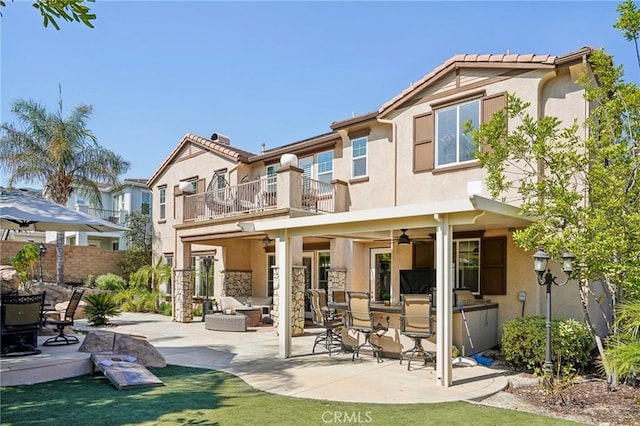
(262, 147)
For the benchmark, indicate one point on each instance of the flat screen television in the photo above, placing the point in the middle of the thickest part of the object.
(417, 281)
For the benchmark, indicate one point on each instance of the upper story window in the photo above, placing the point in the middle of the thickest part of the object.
(325, 166)
(320, 169)
(359, 157)
(438, 138)
(452, 144)
(163, 202)
(118, 202)
(271, 179)
(145, 205)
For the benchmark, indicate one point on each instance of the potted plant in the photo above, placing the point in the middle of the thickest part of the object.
(386, 297)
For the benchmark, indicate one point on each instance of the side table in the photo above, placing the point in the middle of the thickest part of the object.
(253, 313)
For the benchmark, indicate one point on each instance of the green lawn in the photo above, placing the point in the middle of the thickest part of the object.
(205, 397)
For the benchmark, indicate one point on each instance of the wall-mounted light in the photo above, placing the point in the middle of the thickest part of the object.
(266, 240)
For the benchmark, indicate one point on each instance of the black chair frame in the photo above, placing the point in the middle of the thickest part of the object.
(321, 316)
(21, 320)
(361, 320)
(416, 323)
(67, 321)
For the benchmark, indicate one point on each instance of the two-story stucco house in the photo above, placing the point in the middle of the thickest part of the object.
(389, 202)
(132, 195)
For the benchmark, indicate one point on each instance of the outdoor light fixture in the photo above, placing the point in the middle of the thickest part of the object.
(43, 251)
(206, 304)
(266, 240)
(544, 277)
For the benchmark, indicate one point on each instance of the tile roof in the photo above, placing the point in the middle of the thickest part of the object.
(220, 148)
(529, 60)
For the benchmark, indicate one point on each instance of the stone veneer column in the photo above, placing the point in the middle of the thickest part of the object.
(236, 283)
(336, 281)
(297, 300)
(184, 286)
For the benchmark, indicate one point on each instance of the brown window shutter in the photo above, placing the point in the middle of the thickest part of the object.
(490, 105)
(200, 187)
(423, 151)
(493, 268)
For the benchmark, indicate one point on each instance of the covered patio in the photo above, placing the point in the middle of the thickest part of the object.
(252, 356)
(441, 219)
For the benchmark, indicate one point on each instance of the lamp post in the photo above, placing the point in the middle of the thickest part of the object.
(43, 251)
(544, 276)
(206, 305)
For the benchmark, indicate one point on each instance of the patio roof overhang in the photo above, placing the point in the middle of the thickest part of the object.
(445, 217)
(475, 212)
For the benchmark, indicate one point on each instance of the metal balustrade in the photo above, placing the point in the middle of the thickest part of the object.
(259, 195)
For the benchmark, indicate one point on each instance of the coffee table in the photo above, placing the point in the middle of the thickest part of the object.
(253, 313)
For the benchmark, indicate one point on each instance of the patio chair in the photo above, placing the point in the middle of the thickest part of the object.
(416, 323)
(21, 319)
(321, 317)
(360, 319)
(66, 321)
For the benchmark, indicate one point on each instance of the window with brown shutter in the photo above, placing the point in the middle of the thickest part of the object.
(490, 105)
(493, 269)
(423, 154)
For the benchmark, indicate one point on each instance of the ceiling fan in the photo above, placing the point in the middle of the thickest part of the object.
(404, 239)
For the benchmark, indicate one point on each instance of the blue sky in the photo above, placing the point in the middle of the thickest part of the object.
(265, 72)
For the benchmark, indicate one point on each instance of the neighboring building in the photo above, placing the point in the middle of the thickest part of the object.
(341, 206)
(132, 195)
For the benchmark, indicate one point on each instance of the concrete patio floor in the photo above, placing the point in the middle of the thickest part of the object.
(253, 356)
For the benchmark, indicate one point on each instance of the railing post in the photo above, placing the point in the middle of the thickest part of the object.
(340, 202)
(289, 184)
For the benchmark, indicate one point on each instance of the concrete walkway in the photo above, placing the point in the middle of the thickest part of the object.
(253, 356)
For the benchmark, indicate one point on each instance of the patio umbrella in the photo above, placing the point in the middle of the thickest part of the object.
(26, 212)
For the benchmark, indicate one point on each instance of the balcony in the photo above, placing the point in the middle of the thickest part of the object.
(113, 216)
(261, 195)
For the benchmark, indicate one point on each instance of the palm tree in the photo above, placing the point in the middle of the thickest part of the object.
(153, 274)
(59, 153)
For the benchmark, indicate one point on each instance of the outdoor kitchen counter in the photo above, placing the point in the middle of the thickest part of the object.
(482, 319)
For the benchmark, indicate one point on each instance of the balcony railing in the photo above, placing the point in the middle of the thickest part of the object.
(318, 196)
(113, 216)
(260, 195)
(248, 197)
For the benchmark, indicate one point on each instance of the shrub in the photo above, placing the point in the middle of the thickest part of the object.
(137, 299)
(111, 282)
(25, 261)
(100, 307)
(90, 281)
(165, 309)
(524, 343)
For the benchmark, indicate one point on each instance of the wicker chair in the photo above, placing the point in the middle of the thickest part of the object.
(360, 319)
(321, 316)
(416, 323)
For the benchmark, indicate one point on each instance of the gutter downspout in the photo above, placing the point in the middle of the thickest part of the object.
(394, 141)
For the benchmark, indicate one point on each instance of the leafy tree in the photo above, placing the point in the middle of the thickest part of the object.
(139, 238)
(629, 23)
(584, 190)
(25, 261)
(67, 10)
(59, 153)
